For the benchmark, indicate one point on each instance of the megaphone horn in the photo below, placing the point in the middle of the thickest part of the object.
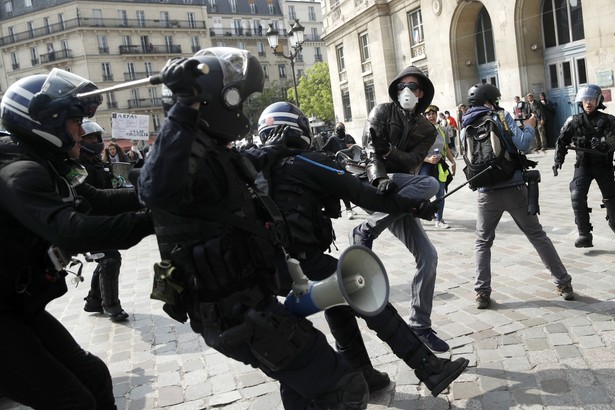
(360, 282)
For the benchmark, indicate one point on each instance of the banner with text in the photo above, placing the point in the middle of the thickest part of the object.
(129, 126)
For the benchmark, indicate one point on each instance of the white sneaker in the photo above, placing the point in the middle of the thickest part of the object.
(442, 225)
(350, 214)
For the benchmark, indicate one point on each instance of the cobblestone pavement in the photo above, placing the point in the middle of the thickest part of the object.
(530, 350)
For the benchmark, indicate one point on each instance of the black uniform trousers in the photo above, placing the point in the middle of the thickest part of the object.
(49, 370)
(582, 179)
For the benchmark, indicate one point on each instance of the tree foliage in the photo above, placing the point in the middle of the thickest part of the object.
(315, 95)
(256, 104)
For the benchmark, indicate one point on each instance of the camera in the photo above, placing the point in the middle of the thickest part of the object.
(532, 178)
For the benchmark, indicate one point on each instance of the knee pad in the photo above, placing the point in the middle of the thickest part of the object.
(578, 200)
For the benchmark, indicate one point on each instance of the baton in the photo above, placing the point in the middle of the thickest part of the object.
(151, 80)
(465, 183)
(588, 150)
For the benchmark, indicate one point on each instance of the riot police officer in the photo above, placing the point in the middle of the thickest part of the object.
(103, 296)
(221, 243)
(43, 221)
(307, 188)
(592, 134)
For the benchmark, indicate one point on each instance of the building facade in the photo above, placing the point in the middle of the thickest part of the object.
(520, 46)
(114, 42)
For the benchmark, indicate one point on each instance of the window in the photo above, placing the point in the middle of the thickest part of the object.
(14, 60)
(314, 34)
(346, 105)
(370, 96)
(317, 54)
(233, 6)
(191, 20)
(260, 47)
(195, 43)
(266, 71)
(253, 8)
(149, 70)
(34, 55)
(153, 95)
(30, 26)
(291, 13)
(238, 27)
(8, 8)
(27, 4)
(581, 71)
(341, 64)
(241, 45)
(140, 18)
(282, 70)
(364, 46)
(156, 121)
(164, 18)
(311, 13)
(61, 23)
(485, 50)
(97, 17)
(130, 72)
(562, 22)
(416, 28)
(271, 8)
(103, 45)
(106, 72)
(47, 25)
(123, 17)
(12, 34)
(111, 101)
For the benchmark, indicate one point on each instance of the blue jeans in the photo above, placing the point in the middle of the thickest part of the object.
(491, 206)
(411, 233)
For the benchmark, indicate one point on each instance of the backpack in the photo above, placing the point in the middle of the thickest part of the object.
(485, 145)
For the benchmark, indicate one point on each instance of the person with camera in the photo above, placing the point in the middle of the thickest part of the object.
(592, 135)
(510, 195)
(222, 243)
(398, 138)
(47, 216)
(103, 296)
(307, 188)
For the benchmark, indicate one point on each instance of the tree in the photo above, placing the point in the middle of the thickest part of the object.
(256, 104)
(314, 88)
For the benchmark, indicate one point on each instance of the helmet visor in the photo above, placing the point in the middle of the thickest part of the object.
(233, 62)
(61, 84)
(587, 94)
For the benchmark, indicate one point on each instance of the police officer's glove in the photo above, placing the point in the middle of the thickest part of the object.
(556, 166)
(180, 76)
(598, 145)
(425, 209)
(380, 142)
(276, 147)
(385, 186)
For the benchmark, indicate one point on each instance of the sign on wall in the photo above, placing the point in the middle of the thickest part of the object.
(129, 126)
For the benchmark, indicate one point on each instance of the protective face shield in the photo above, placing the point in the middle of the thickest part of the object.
(407, 99)
(76, 173)
(590, 93)
(284, 113)
(35, 109)
(92, 129)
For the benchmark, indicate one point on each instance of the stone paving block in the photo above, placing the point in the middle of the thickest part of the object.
(170, 395)
(566, 352)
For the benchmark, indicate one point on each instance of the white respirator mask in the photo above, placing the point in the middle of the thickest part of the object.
(407, 99)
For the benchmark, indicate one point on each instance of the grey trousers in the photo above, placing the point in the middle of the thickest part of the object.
(491, 207)
(411, 233)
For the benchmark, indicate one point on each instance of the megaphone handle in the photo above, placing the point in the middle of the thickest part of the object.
(300, 281)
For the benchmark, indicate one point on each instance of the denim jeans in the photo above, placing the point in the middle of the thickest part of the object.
(411, 233)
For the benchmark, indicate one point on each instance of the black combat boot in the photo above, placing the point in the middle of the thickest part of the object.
(581, 218)
(436, 373)
(93, 301)
(350, 393)
(349, 343)
(109, 290)
(609, 204)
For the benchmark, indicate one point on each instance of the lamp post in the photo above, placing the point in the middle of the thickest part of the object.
(295, 40)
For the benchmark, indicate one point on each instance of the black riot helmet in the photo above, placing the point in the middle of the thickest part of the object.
(285, 113)
(479, 94)
(92, 129)
(35, 109)
(228, 76)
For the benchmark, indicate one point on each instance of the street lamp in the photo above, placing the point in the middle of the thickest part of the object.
(295, 40)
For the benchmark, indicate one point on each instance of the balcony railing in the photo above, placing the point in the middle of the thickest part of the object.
(56, 55)
(35, 61)
(152, 49)
(15, 66)
(145, 103)
(241, 32)
(133, 75)
(103, 50)
(87, 22)
(107, 77)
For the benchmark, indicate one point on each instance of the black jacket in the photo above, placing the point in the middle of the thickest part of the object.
(579, 129)
(39, 209)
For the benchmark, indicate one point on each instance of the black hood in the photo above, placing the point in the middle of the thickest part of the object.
(426, 86)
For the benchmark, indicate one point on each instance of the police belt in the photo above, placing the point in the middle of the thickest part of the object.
(229, 309)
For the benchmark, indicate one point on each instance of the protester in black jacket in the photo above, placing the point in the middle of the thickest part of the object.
(44, 220)
(307, 188)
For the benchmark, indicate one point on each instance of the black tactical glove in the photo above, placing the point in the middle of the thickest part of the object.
(598, 145)
(180, 76)
(276, 147)
(380, 142)
(425, 209)
(385, 186)
(556, 166)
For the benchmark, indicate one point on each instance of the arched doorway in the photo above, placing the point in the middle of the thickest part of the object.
(564, 56)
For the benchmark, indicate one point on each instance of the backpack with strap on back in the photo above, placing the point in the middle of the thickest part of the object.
(484, 146)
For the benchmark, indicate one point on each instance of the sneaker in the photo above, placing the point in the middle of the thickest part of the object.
(360, 237)
(566, 292)
(482, 300)
(428, 336)
(350, 214)
(442, 225)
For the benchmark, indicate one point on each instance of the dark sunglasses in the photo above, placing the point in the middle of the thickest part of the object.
(411, 86)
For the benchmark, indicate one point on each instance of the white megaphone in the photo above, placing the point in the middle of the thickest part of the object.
(360, 282)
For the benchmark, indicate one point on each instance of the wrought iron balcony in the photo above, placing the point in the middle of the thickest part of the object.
(152, 49)
(56, 56)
